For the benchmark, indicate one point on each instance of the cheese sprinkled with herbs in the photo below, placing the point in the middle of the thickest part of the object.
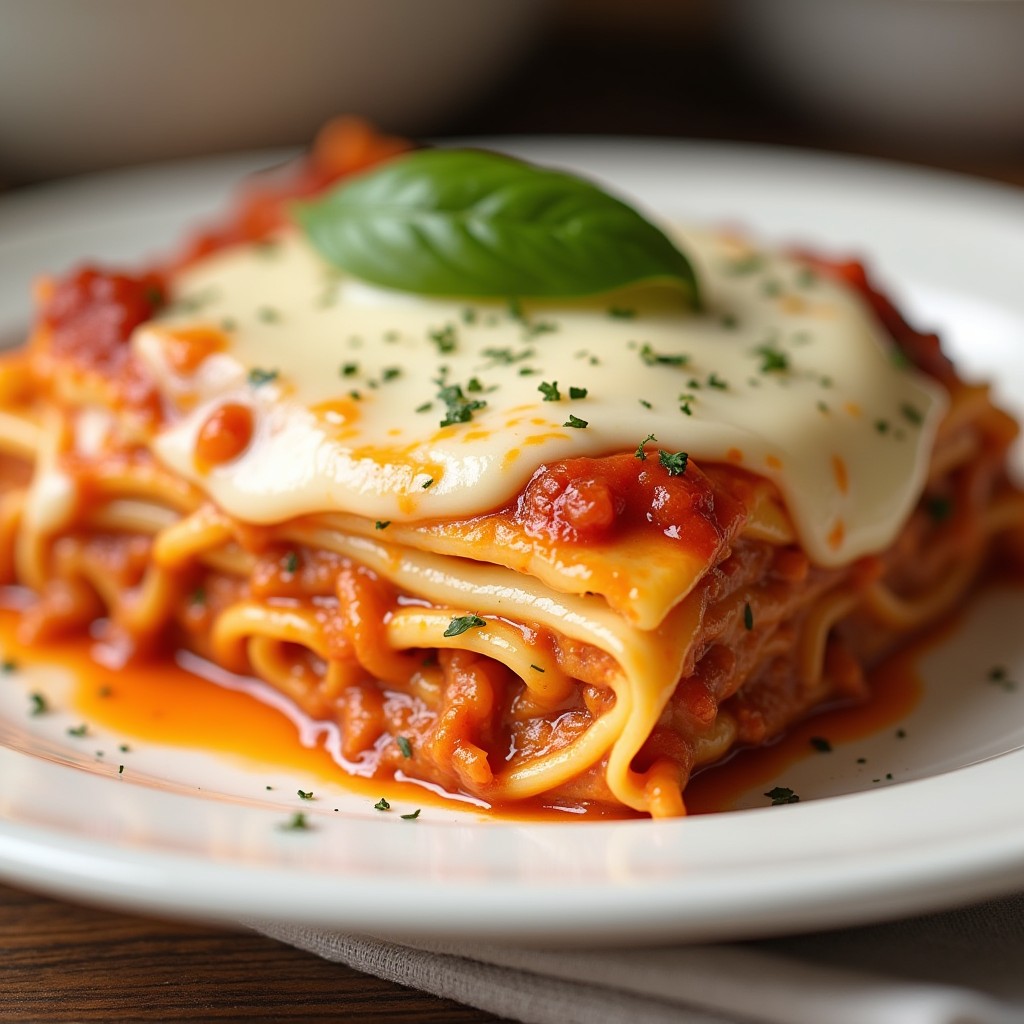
(452, 415)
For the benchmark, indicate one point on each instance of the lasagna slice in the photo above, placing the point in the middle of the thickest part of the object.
(551, 551)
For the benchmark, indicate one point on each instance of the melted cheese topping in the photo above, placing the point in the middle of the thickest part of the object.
(784, 373)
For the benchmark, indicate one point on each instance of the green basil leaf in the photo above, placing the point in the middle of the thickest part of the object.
(471, 223)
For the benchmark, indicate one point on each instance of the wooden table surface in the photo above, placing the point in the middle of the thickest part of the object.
(60, 962)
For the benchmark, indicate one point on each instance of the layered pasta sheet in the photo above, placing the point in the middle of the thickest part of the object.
(563, 554)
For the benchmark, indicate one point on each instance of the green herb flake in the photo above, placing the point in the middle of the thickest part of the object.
(772, 288)
(124, 748)
(622, 313)
(258, 377)
(382, 524)
(999, 676)
(782, 795)
(37, 704)
(104, 692)
(461, 623)
(474, 385)
(458, 408)
(939, 509)
(640, 453)
(7, 666)
(536, 328)
(684, 404)
(78, 730)
(382, 805)
(806, 277)
(744, 265)
(714, 381)
(428, 483)
(821, 744)
(651, 358)
(549, 391)
(349, 369)
(577, 393)
(268, 315)
(304, 795)
(198, 597)
(729, 321)
(469, 315)
(911, 414)
(575, 421)
(404, 746)
(748, 616)
(505, 356)
(390, 373)
(290, 563)
(882, 426)
(823, 407)
(411, 816)
(645, 403)
(900, 359)
(772, 359)
(674, 463)
(425, 407)
(298, 822)
(444, 338)
(266, 247)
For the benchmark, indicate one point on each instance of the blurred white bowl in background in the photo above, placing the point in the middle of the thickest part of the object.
(946, 73)
(85, 85)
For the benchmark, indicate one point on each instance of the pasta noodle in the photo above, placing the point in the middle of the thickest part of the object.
(508, 605)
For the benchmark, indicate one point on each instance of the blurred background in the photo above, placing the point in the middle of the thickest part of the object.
(92, 84)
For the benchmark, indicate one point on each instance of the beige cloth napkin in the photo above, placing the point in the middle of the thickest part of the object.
(961, 967)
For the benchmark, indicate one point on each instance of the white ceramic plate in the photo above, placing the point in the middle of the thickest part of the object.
(188, 833)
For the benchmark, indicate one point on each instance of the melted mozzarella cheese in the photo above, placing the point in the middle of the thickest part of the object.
(784, 374)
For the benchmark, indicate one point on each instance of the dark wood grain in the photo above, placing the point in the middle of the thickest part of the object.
(60, 962)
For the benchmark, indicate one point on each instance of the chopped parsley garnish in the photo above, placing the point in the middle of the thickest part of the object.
(124, 748)
(469, 315)
(104, 691)
(382, 805)
(382, 524)
(444, 338)
(652, 358)
(729, 321)
(999, 676)
(198, 597)
(390, 373)
(290, 563)
(645, 403)
(425, 407)
(539, 327)
(640, 453)
(900, 359)
(404, 746)
(7, 666)
(349, 369)
(621, 313)
(684, 404)
(939, 509)
(296, 823)
(458, 408)
(78, 730)
(473, 384)
(772, 360)
(911, 414)
(303, 795)
(258, 376)
(674, 463)
(744, 265)
(805, 277)
(38, 704)
(823, 407)
(748, 616)
(549, 391)
(429, 482)
(411, 816)
(229, 324)
(505, 356)
(772, 288)
(575, 421)
(821, 744)
(577, 393)
(782, 795)
(882, 426)
(268, 314)
(714, 381)
(461, 623)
